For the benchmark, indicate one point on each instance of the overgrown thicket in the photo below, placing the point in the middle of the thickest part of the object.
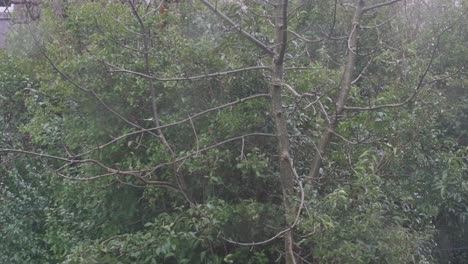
(235, 132)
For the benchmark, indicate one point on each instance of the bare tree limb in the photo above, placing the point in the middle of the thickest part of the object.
(41, 155)
(206, 149)
(345, 87)
(176, 122)
(196, 136)
(446, 76)
(301, 68)
(289, 87)
(254, 40)
(420, 84)
(381, 24)
(369, 8)
(73, 160)
(146, 32)
(304, 38)
(363, 71)
(190, 78)
(251, 244)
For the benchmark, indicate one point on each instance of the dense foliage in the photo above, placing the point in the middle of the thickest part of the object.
(143, 133)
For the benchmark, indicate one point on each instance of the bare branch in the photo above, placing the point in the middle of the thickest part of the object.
(345, 87)
(379, 5)
(324, 112)
(242, 156)
(273, 238)
(289, 87)
(181, 183)
(196, 136)
(41, 155)
(87, 179)
(420, 84)
(191, 78)
(350, 38)
(332, 28)
(176, 122)
(304, 38)
(347, 5)
(352, 142)
(257, 42)
(181, 159)
(301, 68)
(73, 160)
(148, 182)
(137, 16)
(110, 171)
(446, 76)
(363, 71)
(381, 24)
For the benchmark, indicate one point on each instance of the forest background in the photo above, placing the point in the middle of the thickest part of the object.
(255, 131)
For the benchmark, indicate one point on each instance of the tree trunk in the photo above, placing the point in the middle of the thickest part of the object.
(285, 164)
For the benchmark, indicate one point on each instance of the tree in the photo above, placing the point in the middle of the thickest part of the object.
(276, 82)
